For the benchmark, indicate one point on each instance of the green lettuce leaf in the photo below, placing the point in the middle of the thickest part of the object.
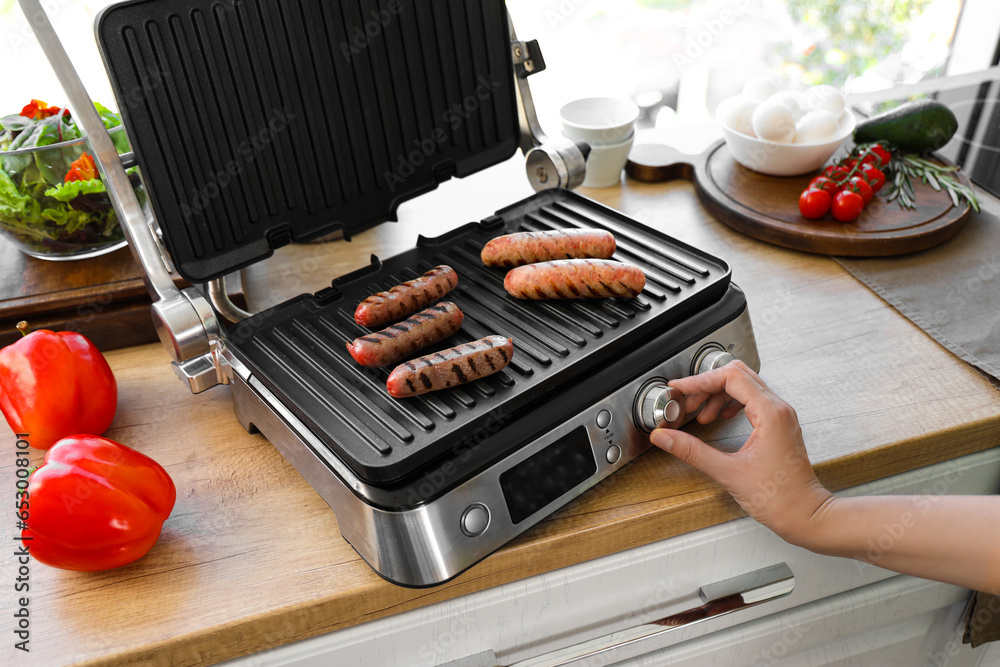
(12, 202)
(109, 117)
(69, 220)
(67, 192)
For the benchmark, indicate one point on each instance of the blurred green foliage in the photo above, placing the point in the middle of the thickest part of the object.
(669, 5)
(851, 36)
(6, 6)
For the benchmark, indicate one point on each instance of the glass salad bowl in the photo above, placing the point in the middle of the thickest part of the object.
(53, 204)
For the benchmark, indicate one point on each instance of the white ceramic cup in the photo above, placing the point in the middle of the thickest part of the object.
(600, 121)
(607, 124)
(605, 164)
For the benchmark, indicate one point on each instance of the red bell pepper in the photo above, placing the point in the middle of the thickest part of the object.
(95, 505)
(82, 169)
(53, 385)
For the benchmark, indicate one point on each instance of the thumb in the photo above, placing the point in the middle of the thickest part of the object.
(692, 451)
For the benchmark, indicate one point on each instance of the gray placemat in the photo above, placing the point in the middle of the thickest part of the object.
(952, 291)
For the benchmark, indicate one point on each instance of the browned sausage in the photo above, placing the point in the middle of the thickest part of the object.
(401, 341)
(533, 247)
(451, 368)
(407, 298)
(575, 279)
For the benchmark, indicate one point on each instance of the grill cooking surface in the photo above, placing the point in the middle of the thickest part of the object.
(298, 349)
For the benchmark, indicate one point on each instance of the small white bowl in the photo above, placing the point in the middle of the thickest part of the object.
(773, 159)
(600, 121)
(606, 163)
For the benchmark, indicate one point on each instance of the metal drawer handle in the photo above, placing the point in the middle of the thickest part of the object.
(725, 597)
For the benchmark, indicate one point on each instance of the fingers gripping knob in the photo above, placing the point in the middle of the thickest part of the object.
(659, 406)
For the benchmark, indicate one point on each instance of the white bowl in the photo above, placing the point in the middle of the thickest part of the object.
(606, 163)
(773, 159)
(599, 120)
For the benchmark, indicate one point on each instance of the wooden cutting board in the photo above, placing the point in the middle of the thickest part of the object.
(103, 298)
(767, 207)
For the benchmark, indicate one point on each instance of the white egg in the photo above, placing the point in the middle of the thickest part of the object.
(816, 127)
(759, 88)
(790, 100)
(736, 113)
(826, 98)
(774, 122)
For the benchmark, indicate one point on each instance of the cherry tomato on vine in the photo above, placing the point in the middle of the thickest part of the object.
(824, 183)
(836, 172)
(814, 204)
(847, 206)
(874, 176)
(884, 156)
(872, 159)
(860, 185)
(849, 163)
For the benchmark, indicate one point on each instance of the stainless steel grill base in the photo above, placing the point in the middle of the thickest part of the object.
(427, 545)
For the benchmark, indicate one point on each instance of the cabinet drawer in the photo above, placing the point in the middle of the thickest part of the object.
(886, 623)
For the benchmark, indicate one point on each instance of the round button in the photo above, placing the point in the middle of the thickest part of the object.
(672, 411)
(603, 418)
(475, 520)
(614, 453)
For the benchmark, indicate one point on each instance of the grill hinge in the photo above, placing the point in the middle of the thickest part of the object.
(205, 371)
(551, 163)
(528, 58)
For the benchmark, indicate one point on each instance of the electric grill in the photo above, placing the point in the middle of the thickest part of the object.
(257, 123)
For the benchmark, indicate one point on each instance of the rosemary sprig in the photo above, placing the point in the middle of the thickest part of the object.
(907, 167)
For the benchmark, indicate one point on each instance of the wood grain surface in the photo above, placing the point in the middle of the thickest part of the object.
(103, 298)
(767, 207)
(252, 557)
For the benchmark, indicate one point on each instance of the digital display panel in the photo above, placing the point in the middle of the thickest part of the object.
(540, 479)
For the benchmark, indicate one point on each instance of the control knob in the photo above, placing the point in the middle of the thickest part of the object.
(659, 406)
(712, 358)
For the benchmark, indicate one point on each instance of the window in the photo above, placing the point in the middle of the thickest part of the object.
(694, 53)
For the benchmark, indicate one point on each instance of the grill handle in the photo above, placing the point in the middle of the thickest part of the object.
(185, 322)
(743, 592)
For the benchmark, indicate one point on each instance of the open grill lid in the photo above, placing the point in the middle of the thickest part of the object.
(258, 122)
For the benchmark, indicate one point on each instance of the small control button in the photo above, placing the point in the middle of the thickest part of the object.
(475, 520)
(672, 411)
(614, 453)
(603, 419)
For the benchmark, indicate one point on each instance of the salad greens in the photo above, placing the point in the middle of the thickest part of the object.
(49, 203)
(49, 125)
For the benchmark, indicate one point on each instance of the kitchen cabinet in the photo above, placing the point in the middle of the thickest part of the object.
(840, 612)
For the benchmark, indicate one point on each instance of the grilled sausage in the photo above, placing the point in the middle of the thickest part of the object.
(575, 279)
(450, 368)
(401, 300)
(400, 341)
(533, 247)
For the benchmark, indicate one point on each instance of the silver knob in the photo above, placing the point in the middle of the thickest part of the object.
(659, 406)
(712, 359)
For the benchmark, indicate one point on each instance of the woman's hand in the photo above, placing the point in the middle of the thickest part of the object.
(770, 476)
(953, 539)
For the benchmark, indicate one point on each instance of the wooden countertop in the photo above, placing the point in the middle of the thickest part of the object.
(252, 557)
